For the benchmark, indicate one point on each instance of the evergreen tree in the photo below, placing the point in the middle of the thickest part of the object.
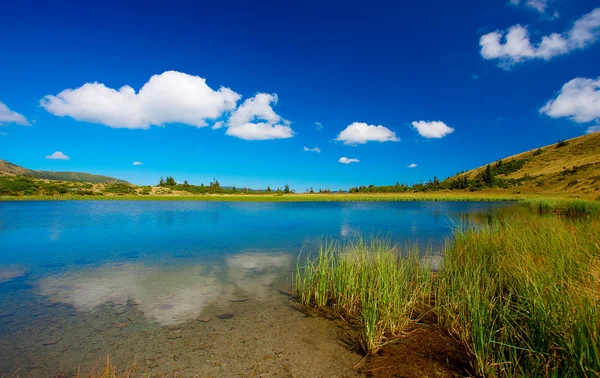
(287, 189)
(170, 181)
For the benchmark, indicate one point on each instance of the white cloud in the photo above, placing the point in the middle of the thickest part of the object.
(319, 125)
(217, 125)
(432, 129)
(516, 46)
(243, 121)
(413, 165)
(171, 97)
(8, 116)
(579, 100)
(593, 129)
(540, 6)
(57, 156)
(361, 133)
(137, 163)
(316, 149)
(345, 160)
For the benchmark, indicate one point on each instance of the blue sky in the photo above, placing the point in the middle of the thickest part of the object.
(237, 88)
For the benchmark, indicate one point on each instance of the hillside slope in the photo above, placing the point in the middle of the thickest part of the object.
(571, 166)
(13, 169)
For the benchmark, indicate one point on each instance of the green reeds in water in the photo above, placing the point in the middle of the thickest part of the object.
(565, 207)
(523, 293)
(366, 280)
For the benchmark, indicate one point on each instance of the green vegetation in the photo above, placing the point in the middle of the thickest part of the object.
(119, 189)
(521, 291)
(570, 208)
(7, 167)
(20, 186)
(368, 281)
(281, 197)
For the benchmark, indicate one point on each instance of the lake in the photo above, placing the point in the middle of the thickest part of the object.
(186, 287)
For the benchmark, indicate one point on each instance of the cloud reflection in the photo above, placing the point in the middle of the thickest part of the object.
(167, 294)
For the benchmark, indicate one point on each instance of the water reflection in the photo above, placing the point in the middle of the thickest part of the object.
(167, 294)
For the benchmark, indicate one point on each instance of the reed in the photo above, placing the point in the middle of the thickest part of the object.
(523, 293)
(366, 280)
(565, 207)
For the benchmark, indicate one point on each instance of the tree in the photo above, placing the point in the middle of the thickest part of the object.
(286, 190)
(269, 189)
(161, 182)
(488, 176)
(171, 181)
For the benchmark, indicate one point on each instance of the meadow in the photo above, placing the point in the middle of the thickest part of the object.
(521, 291)
(331, 197)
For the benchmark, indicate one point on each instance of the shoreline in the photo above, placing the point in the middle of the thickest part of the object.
(346, 197)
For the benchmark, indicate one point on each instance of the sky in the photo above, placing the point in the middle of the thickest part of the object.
(312, 94)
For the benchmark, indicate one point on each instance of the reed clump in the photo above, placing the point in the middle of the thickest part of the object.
(564, 207)
(521, 291)
(368, 281)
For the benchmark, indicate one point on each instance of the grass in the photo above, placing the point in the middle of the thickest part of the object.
(572, 169)
(569, 208)
(522, 292)
(345, 197)
(367, 281)
(110, 371)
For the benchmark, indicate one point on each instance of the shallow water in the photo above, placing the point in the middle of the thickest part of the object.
(196, 288)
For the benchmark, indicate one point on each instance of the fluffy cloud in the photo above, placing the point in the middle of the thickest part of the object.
(517, 46)
(432, 129)
(8, 116)
(361, 133)
(218, 125)
(413, 165)
(57, 156)
(593, 129)
(171, 97)
(578, 100)
(345, 160)
(137, 163)
(316, 149)
(255, 119)
(319, 125)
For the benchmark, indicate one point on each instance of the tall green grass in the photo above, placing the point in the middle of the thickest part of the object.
(565, 207)
(521, 291)
(368, 281)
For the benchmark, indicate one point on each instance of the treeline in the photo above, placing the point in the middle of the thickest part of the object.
(214, 187)
(488, 178)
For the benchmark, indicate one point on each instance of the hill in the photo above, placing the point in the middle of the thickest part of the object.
(569, 166)
(13, 169)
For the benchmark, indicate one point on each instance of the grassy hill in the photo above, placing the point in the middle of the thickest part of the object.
(8, 168)
(568, 167)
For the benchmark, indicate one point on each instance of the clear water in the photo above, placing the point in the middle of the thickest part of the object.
(149, 267)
